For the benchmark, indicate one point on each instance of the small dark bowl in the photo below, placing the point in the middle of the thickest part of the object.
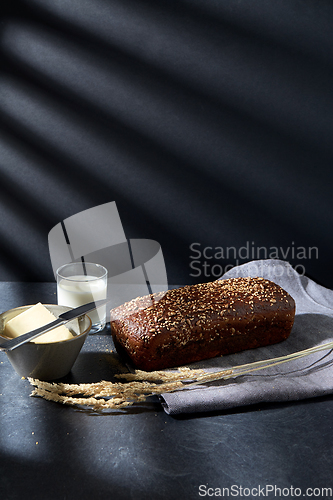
(49, 361)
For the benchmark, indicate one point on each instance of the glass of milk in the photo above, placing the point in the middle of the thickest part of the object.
(81, 282)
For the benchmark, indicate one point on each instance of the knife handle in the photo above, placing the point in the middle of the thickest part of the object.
(8, 345)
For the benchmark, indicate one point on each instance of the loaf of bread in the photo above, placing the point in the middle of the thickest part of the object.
(197, 322)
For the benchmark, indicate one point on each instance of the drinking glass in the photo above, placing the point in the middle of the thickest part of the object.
(81, 282)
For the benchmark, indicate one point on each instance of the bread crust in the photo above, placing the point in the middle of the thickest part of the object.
(202, 321)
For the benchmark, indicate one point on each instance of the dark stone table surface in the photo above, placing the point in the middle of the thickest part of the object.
(50, 451)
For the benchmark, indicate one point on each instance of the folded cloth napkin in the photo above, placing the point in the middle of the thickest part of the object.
(302, 378)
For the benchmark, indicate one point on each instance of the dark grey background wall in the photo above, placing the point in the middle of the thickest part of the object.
(208, 122)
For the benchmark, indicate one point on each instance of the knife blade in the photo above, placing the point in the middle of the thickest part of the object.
(62, 319)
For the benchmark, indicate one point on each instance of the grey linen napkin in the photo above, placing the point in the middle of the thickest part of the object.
(306, 377)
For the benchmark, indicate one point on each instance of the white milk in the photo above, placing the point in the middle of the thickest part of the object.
(80, 290)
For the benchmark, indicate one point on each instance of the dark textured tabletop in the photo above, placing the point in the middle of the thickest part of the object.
(50, 451)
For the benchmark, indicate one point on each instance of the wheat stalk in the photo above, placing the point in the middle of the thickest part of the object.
(244, 369)
(141, 384)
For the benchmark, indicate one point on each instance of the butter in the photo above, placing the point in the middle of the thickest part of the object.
(35, 317)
